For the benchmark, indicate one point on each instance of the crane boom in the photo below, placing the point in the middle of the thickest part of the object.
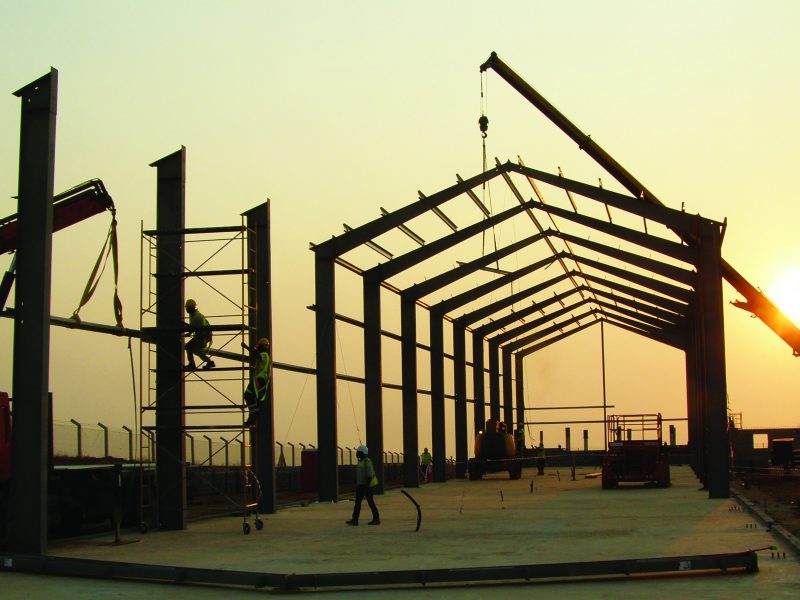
(755, 301)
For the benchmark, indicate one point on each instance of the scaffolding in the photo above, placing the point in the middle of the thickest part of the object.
(213, 400)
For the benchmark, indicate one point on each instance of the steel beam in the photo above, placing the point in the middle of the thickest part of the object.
(373, 390)
(417, 255)
(716, 396)
(520, 344)
(658, 267)
(519, 371)
(438, 431)
(494, 380)
(460, 389)
(337, 246)
(485, 289)
(741, 562)
(479, 408)
(482, 313)
(324, 294)
(680, 308)
(508, 400)
(561, 336)
(259, 274)
(170, 390)
(408, 351)
(27, 522)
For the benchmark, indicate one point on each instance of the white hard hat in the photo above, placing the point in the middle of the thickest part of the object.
(362, 448)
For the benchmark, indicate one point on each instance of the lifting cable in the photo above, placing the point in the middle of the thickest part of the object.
(109, 247)
(483, 124)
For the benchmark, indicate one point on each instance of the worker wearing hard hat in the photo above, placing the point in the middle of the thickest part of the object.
(256, 391)
(425, 461)
(366, 480)
(200, 343)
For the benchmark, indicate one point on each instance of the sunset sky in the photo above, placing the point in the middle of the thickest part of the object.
(333, 110)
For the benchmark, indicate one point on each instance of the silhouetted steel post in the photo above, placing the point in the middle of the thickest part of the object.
(324, 282)
(170, 389)
(408, 351)
(508, 397)
(494, 381)
(259, 265)
(460, 388)
(28, 522)
(477, 382)
(716, 397)
(438, 433)
(520, 374)
(373, 378)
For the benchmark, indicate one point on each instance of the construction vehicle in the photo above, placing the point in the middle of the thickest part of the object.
(495, 451)
(635, 451)
(72, 206)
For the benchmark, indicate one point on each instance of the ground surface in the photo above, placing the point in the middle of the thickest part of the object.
(465, 524)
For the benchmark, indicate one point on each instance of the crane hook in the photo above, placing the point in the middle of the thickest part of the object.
(483, 123)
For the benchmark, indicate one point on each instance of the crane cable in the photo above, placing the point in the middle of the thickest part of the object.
(483, 124)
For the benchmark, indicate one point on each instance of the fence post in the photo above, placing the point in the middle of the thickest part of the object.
(292, 445)
(210, 452)
(130, 442)
(191, 448)
(80, 443)
(341, 455)
(349, 455)
(241, 454)
(105, 438)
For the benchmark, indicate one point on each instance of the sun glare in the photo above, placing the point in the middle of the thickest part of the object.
(785, 293)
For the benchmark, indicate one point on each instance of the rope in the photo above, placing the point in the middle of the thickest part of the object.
(109, 248)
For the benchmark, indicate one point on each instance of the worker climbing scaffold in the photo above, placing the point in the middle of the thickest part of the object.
(256, 391)
(201, 339)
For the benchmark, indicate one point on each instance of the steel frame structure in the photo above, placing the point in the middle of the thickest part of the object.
(655, 309)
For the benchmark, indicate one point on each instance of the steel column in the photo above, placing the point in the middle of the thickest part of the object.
(508, 400)
(477, 383)
(373, 390)
(520, 388)
(27, 524)
(494, 381)
(324, 282)
(438, 432)
(695, 441)
(170, 398)
(408, 331)
(710, 295)
(460, 389)
(259, 269)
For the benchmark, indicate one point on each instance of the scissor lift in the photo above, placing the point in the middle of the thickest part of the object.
(635, 451)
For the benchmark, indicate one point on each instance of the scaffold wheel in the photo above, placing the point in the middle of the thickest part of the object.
(246, 528)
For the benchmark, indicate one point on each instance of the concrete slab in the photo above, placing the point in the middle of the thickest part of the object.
(465, 524)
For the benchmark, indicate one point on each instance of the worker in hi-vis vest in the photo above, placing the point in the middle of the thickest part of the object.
(200, 343)
(366, 480)
(256, 391)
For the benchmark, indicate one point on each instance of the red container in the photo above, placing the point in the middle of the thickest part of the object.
(5, 437)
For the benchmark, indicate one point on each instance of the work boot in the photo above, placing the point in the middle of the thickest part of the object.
(191, 367)
(374, 522)
(352, 522)
(209, 365)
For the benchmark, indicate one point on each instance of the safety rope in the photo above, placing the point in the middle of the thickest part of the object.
(109, 248)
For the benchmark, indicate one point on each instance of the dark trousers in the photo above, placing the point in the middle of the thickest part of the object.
(364, 491)
(540, 465)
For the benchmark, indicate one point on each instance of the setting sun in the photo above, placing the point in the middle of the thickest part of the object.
(785, 292)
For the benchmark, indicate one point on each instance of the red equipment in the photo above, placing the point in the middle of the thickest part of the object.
(635, 452)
